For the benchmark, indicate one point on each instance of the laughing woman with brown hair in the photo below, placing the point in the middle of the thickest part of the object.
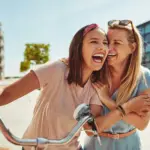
(63, 87)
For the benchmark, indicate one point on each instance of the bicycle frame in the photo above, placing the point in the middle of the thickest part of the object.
(82, 114)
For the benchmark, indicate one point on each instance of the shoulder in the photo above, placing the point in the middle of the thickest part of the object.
(144, 81)
(145, 71)
(50, 72)
(52, 66)
(145, 74)
(56, 64)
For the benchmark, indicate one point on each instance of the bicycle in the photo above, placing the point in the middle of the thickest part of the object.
(81, 114)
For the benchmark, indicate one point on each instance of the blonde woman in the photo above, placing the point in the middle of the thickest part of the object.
(122, 79)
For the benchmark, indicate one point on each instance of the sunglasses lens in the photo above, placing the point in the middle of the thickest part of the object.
(124, 22)
(112, 22)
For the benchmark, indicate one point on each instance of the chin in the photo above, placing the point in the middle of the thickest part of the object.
(98, 68)
(111, 63)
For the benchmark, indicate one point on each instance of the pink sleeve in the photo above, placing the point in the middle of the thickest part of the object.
(48, 73)
(95, 98)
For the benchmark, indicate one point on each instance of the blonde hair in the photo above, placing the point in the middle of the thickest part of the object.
(133, 72)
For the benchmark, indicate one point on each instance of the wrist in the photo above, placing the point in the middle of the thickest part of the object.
(120, 112)
(109, 103)
(105, 98)
(126, 108)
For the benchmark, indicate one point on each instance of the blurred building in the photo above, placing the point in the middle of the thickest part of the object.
(1, 53)
(144, 29)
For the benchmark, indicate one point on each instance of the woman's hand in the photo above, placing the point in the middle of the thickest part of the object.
(103, 93)
(143, 113)
(102, 90)
(138, 104)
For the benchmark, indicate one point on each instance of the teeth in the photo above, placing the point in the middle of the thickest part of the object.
(111, 54)
(100, 55)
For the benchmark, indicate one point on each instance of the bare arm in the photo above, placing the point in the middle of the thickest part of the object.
(20, 88)
(110, 103)
(103, 122)
(135, 105)
(139, 103)
(134, 119)
(138, 120)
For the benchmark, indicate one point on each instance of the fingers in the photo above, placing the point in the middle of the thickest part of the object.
(147, 102)
(142, 114)
(144, 110)
(100, 85)
(145, 96)
(95, 86)
(142, 98)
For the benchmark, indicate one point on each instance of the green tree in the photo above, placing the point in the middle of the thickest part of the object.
(34, 54)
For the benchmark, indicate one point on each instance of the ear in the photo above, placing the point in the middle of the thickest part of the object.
(133, 47)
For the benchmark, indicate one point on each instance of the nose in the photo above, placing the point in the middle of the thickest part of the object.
(101, 47)
(110, 47)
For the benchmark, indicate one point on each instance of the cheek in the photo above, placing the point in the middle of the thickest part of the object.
(127, 51)
(124, 54)
(86, 54)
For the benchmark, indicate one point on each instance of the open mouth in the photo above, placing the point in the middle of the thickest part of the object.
(98, 58)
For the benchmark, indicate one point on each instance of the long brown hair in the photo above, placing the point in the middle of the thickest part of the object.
(76, 59)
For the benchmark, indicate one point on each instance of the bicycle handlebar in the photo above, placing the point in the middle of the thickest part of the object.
(81, 114)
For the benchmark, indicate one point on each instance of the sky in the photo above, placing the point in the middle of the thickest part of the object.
(55, 22)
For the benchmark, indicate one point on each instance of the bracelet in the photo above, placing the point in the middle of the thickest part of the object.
(123, 111)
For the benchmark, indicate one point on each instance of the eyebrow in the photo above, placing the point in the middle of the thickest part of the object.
(96, 39)
(118, 40)
(93, 38)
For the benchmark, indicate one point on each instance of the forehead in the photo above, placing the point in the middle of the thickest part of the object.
(96, 33)
(117, 33)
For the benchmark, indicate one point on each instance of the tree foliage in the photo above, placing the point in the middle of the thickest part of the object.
(34, 54)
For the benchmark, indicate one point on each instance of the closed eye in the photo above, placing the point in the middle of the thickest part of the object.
(117, 43)
(105, 43)
(94, 41)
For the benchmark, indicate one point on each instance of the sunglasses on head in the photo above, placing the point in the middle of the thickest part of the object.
(122, 23)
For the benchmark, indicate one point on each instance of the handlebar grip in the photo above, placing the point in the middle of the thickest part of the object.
(81, 111)
(92, 124)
